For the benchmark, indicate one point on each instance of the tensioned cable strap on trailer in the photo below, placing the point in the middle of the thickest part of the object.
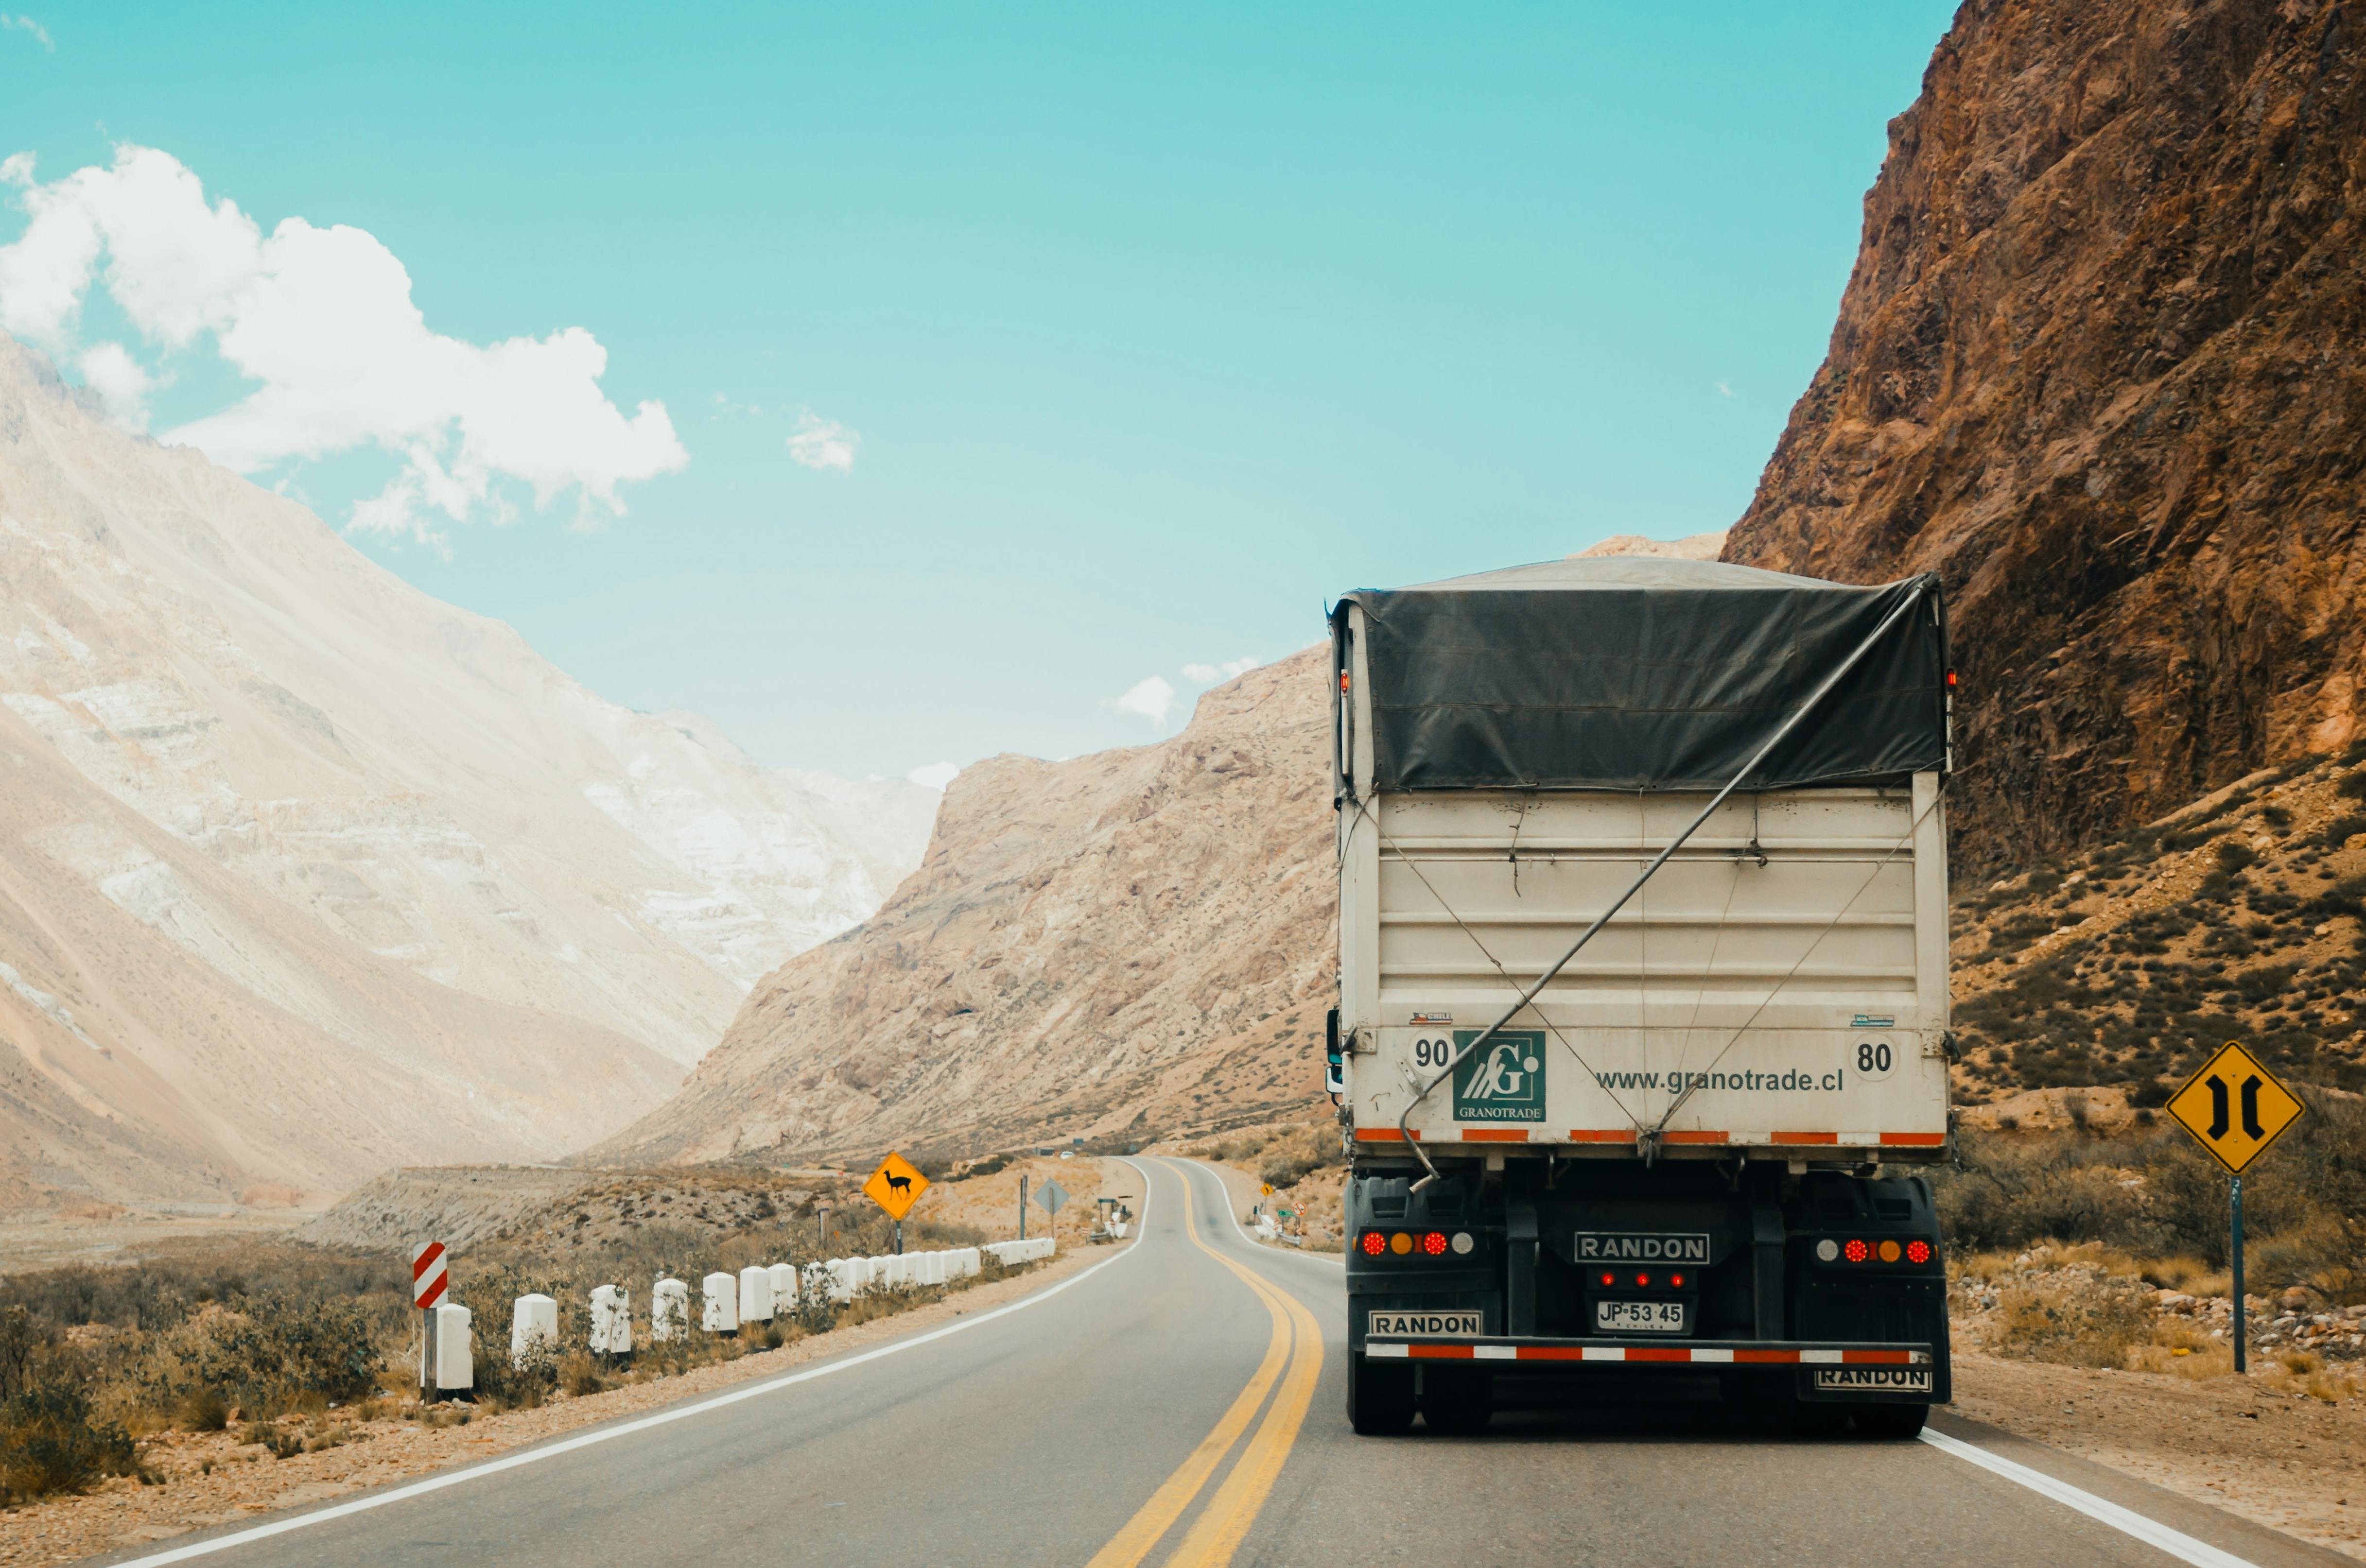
(1911, 594)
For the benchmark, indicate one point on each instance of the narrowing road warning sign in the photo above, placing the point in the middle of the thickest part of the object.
(2236, 1108)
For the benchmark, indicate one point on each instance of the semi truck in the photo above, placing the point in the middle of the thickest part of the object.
(1641, 1042)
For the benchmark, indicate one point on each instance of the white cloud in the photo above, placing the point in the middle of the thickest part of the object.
(935, 776)
(1723, 390)
(122, 386)
(324, 320)
(1208, 675)
(1152, 697)
(27, 24)
(823, 444)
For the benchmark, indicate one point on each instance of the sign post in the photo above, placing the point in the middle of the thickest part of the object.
(1022, 1205)
(821, 1211)
(429, 1279)
(2236, 1108)
(1051, 1194)
(896, 1186)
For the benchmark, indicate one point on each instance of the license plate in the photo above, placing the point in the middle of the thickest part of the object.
(1422, 1325)
(1873, 1379)
(1638, 1317)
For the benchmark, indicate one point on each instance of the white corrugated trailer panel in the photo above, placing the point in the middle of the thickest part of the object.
(1794, 951)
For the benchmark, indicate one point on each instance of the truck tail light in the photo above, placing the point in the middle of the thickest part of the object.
(1918, 1253)
(1373, 1244)
(1400, 1244)
(1642, 1282)
(1609, 1280)
(1676, 1281)
(1434, 1243)
(1890, 1251)
(1856, 1251)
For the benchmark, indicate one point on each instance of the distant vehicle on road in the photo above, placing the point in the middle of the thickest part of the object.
(1643, 1006)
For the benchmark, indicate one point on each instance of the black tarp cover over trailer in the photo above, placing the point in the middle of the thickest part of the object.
(1627, 672)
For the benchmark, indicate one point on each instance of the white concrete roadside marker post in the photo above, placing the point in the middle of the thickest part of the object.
(825, 1279)
(612, 1321)
(720, 1313)
(843, 1278)
(535, 1317)
(430, 1278)
(784, 1289)
(669, 1310)
(456, 1365)
(755, 1295)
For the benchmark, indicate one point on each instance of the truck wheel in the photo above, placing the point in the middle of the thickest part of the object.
(1457, 1401)
(1379, 1399)
(1891, 1421)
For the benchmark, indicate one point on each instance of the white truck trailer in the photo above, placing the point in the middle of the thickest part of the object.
(1643, 1007)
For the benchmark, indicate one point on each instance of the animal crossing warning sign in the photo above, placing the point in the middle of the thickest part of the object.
(896, 1186)
(2235, 1108)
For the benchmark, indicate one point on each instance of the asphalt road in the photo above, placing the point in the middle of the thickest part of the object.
(1183, 1404)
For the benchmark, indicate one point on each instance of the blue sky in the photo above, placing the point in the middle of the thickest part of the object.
(1151, 328)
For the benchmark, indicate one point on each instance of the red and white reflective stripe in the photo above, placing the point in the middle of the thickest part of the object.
(1687, 1355)
(428, 1278)
(1675, 1135)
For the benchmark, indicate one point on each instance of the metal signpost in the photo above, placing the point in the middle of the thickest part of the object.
(1051, 1194)
(429, 1279)
(2236, 1108)
(1022, 1205)
(821, 1212)
(896, 1186)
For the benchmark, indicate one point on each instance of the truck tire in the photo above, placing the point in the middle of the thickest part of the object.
(1891, 1421)
(1457, 1401)
(1379, 1399)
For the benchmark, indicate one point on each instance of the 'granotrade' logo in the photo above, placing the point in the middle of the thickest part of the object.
(1636, 1247)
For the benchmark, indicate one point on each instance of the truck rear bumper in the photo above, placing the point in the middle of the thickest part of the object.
(1504, 1352)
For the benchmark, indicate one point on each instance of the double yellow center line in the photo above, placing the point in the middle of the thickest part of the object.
(1296, 1343)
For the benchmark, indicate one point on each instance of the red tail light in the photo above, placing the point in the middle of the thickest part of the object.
(1373, 1244)
(1434, 1243)
(1918, 1253)
(1642, 1282)
(1856, 1251)
(1677, 1281)
(1608, 1280)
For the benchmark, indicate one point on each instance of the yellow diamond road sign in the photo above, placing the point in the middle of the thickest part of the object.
(896, 1186)
(2235, 1108)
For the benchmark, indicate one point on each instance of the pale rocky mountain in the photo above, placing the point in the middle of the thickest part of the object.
(307, 873)
(1141, 937)
(1692, 547)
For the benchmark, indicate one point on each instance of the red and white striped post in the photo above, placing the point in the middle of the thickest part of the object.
(429, 1281)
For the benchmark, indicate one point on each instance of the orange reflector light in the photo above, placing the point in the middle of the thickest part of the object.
(1374, 1244)
(1918, 1253)
(1434, 1243)
(1951, 677)
(1343, 679)
(1400, 1244)
(1890, 1251)
(1856, 1251)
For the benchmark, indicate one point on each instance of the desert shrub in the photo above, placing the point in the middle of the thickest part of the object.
(272, 1354)
(49, 1442)
(1288, 1160)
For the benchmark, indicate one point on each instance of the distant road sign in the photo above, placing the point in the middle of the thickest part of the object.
(2236, 1108)
(428, 1277)
(896, 1186)
(1051, 1194)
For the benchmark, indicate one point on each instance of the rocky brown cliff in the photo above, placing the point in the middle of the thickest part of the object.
(2099, 365)
(1137, 938)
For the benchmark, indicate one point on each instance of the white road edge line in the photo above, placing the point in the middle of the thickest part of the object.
(627, 1429)
(2152, 1532)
